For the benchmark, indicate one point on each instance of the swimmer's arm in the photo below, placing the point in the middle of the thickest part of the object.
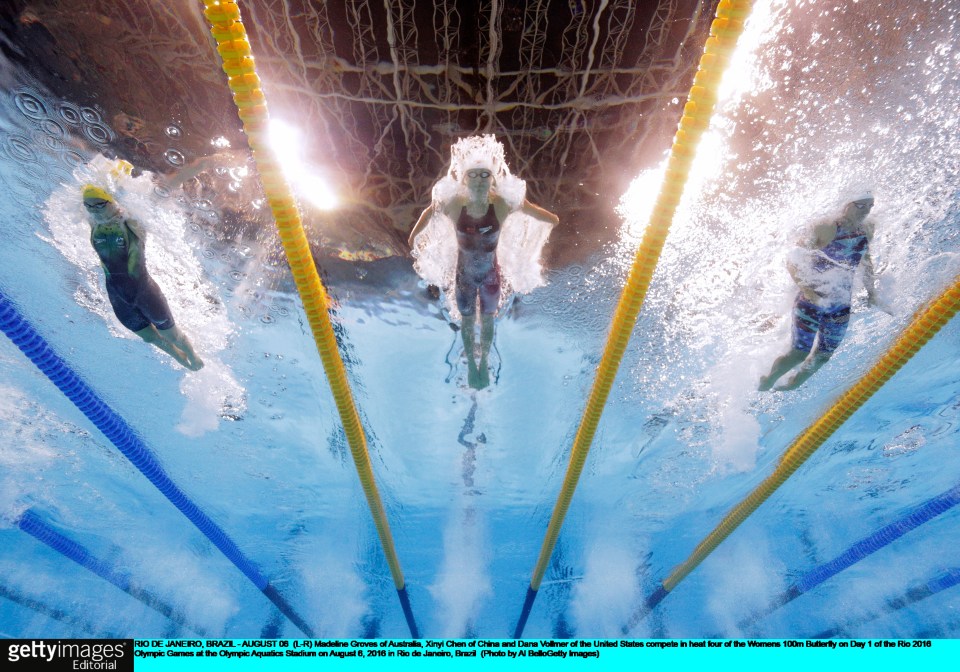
(421, 223)
(822, 235)
(135, 245)
(451, 210)
(537, 212)
(794, 271)
(815, 237)
(818, 237)
(869, 277)
(93, 233)
(802, 280)
(870, 283)
(869, 273)
(200, 165)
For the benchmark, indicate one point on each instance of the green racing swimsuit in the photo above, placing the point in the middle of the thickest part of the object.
(136, 299)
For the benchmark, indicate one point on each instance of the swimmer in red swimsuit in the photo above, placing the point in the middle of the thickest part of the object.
(478, 214)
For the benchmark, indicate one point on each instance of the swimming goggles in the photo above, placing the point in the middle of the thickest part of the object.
(484, 174)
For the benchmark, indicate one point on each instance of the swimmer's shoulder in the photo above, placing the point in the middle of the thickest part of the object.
(822, 234)
(452, 207)
(501, 208)
(134, 226)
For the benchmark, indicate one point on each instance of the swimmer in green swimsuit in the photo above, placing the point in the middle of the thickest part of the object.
(136, 299)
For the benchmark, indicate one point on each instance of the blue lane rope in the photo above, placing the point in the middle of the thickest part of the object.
(33, 525)
(528, 601)
(56, 614)
(939, 583)
(33, 345)
(918, 516)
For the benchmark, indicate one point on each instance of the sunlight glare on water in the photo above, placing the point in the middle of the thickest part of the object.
(820, 98)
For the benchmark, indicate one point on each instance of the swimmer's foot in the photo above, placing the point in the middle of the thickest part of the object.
(791, 384)
(766, 382)
(188, 361)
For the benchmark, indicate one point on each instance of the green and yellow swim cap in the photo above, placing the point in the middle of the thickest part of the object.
(94, 193)
(121, 167)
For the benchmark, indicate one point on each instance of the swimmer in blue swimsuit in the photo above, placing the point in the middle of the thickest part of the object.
(821, 309)
(136, 299)
(478, 216)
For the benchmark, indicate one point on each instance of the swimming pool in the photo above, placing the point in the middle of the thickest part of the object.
(468, 478)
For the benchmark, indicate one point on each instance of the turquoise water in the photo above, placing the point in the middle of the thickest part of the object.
(469, 478)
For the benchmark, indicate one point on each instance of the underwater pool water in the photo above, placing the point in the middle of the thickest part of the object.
(469, 478)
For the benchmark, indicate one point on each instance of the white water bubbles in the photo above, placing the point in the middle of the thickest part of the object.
(195, 302)
(175, 158)
(905, 442)
(827, 106)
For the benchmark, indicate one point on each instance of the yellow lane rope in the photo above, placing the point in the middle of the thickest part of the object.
(926, 322)
(724, 32)
(234, 49)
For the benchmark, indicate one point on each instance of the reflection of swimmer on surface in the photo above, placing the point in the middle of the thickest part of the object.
(482, 239)
(821, 309)
(136, 299)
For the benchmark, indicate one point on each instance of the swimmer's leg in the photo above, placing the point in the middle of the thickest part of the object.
(781, 365)
(151, 335)
(179, 340)
(469, 343)
(489, 302)
(806, 323)
(486, 340)
(467, 305)
(832, 327)
(153, 305)
(807, 370)
(168, 342)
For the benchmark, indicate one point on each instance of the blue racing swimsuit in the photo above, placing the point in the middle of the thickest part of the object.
(846, 249)
(840, 259)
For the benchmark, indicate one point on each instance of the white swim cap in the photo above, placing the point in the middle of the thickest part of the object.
(477, 151)
(857, 190)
